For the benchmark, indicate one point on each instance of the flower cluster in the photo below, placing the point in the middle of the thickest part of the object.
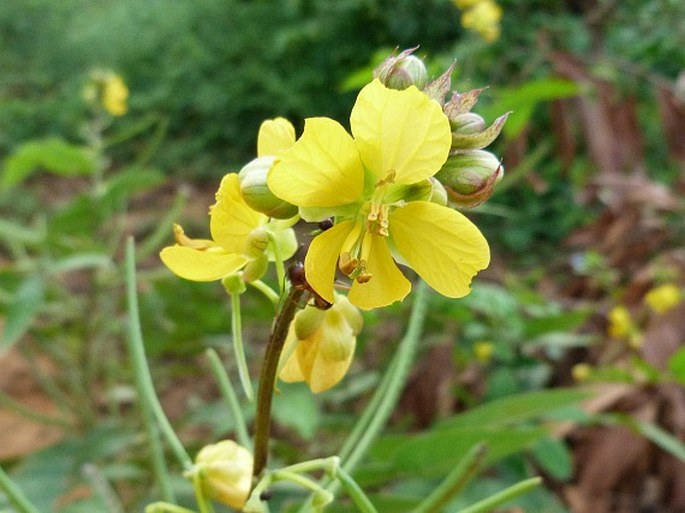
(383, 196)
(108, 91)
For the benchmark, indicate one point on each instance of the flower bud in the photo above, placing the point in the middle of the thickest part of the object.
(401, 71)
(470, 177)
(467, 123)
(234, 284)
(308, 321)
(257, 242)
(438, 192)
(320, 345)
(255, 269)
(225, 471)
(256, 192)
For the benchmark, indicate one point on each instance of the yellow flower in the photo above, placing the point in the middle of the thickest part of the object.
(620, 322)
(320, 345)
(484, 18)
(114, 95)
(225, 471)
(239, 236)
(401, 138)
(483, 351)
(662, 298)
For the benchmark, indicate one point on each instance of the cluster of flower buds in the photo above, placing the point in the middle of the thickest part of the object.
(470, 173)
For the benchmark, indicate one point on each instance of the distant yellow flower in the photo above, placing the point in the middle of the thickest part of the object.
(662, 298)
(225, 472)
(114, 95)
(401, 138)
(320, 345)
(620, 322)
(239, 236)
(483, 351)
(581, 372)
(482, 16)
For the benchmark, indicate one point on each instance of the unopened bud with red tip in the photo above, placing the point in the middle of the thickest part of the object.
(470, 177)
(256, 192)
(401, 71)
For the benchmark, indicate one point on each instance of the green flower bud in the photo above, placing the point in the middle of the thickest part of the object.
(401, 71)
(468, 123)
(257, 242)
(255, 269)
(257, 194)
(308, 321)
(469, 177)
(225, 470)
(438, 193)
(234, 284)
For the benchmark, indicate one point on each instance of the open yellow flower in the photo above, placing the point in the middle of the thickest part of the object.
(400, 138)
(320, 345)
(239, 235)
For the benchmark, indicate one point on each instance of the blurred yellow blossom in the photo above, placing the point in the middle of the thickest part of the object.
(114, 95)
(620, 322)
(483, 351)
(662, 298)
(482, 16)
(320, 345)
(581, 372)
(374, 184)
(225, 472)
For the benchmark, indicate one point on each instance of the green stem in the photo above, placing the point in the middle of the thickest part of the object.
(278, 262)
(149, 402)
(165, 507)
(506, 495)
(238, 348)
(202, 502)
(399, 370)
(15, 495)
(267, 291)
(27, 413)
(379, 408)
(455, 481)
(267, 378)
(229, 394)
(355, 492)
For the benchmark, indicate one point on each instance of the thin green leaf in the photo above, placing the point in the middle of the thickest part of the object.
(53, 155)
(21, 313)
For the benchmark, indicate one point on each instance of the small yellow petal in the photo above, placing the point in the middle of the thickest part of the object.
(440, 244)
(275, 136)
(232, 220)
(387, 283)
(322, 169)
(195, 265)
(326, 374)
(401, 131)
(291, 372)
(321, 262)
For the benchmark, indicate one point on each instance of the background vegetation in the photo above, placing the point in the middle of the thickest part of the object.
(589, 217)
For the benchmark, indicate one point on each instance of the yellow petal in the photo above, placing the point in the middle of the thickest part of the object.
(275, 136)
(322, 169)
(327, 373)
(440, 244)
(231, 219)
(321, 262)
(404, 131)
(195, 265)
(387, 283)
(290, 371)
